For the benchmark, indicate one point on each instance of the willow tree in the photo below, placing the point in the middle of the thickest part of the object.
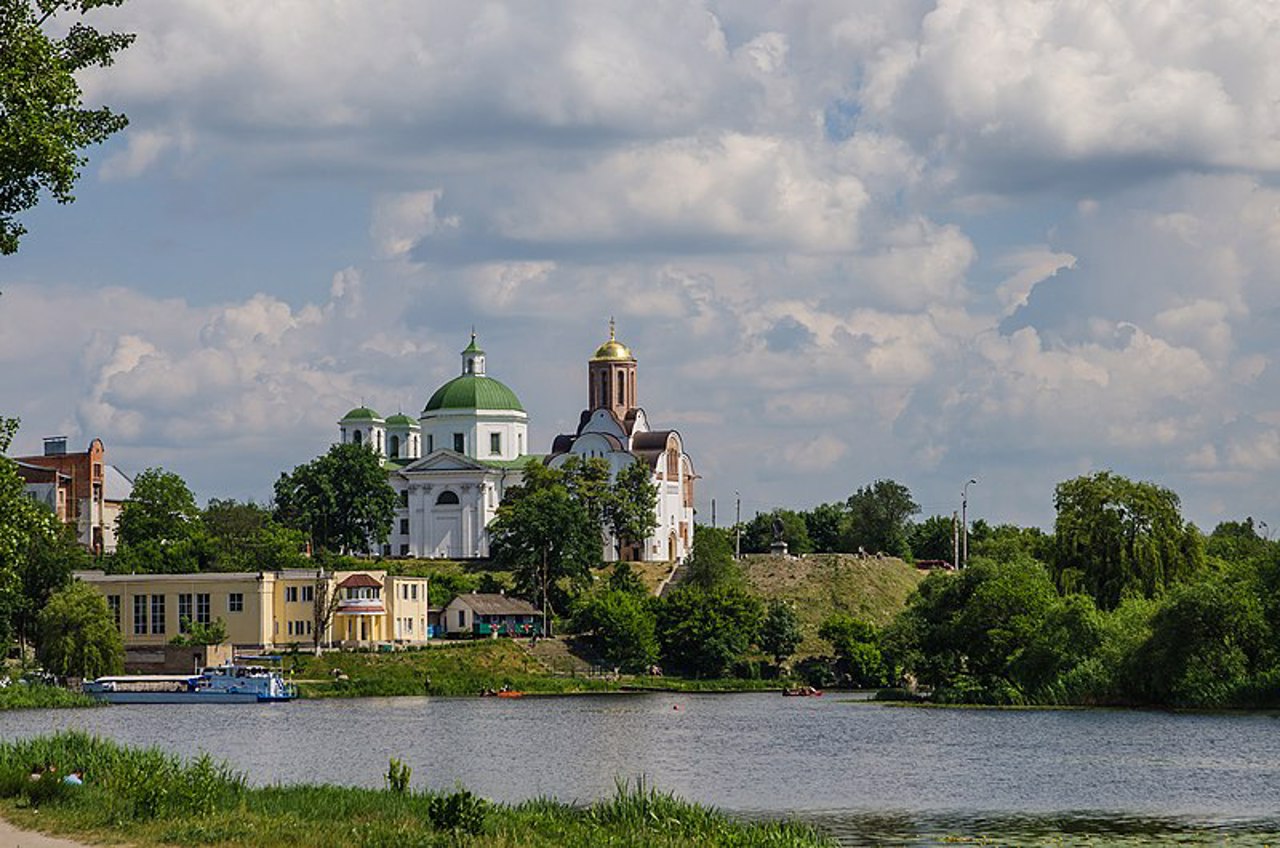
(1114, 536)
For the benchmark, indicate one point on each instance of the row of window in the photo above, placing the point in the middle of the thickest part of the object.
(299, 594)
(300, 628)
(149, 610)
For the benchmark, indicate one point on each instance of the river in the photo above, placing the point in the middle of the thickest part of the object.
(870, 774)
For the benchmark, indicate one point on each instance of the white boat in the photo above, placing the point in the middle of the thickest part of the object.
(224, 684)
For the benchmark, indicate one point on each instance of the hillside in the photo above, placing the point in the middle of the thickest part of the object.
(821, 584)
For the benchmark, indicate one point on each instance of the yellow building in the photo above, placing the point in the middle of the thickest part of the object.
(268, 609)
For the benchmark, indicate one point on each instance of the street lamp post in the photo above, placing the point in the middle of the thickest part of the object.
(737, 526)
(964, 520)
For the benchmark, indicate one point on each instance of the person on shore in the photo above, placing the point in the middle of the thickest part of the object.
(76, 778)
(37, 772)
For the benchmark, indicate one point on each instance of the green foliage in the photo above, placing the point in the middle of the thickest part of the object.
(623, 578)
(340, 500)
(78, 635)
(160, 510)
(40, 696)
(397, 776)
(631, 509)
(540, 524)
(934, 538)
(1235, 541)
(710, 563)
(1208, 641)
(197, 634)
(47, 567)
(757, 535)
(43, 122)
(460, 812)
(704, 632)
(780, 631)
(827, 526)
(245, 537)
(1113, 536)
(856, 645)
(23, 524)
(1008, 542)
(878, 518)
(620, 628)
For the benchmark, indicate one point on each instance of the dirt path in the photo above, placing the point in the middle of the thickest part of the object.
(12, 837)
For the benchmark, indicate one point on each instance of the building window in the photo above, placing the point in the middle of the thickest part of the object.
(404, 527)
(404, 498)
(395, 447)
(235, 602)
(113, 604)
(184, 613)
(157, 613)
(462, 618)
(408, 625)
(459, 443)
(202, 608)
(414, 591)
(308, 594)
(139, 615)
(404, 550)
(495, 443)
(431, 443)
(447, 498)
(357, 437)
(290, 594)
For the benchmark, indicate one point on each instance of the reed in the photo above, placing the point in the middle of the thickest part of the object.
(149, 797)
(38, 696)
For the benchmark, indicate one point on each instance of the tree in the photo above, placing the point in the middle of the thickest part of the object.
(160, 509)
(780, 632)
(631, 512)
(324, 604)
(23, 523)
(934, 538)
(711, 563)
(43, 125)
(341, 500)
(199, 634)
(78, 634)
(827, 527)
(245, 537)
(46, 568)
(620, 628)
(856, 645)
(1113, 536)
(1235, 541)
(545, 536)
(878, 516)
(705, 631)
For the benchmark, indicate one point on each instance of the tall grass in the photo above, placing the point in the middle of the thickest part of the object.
(36, 696)
(148, 797)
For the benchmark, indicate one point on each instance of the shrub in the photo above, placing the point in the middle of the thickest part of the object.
(458, 811)
(398, 776)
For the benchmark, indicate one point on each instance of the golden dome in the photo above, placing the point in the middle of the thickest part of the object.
(612, 349)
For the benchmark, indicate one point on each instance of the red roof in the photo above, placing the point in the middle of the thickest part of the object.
(356, 581)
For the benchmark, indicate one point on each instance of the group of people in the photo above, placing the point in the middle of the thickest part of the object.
(50, 772)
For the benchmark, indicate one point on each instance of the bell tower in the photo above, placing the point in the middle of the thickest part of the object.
(611, 378)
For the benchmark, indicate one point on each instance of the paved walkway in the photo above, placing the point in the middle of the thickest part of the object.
(12, 837)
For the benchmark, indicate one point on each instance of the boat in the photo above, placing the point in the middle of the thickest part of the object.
(801, 692)
(224, 684)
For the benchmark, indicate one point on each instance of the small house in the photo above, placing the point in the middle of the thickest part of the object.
(479, 614)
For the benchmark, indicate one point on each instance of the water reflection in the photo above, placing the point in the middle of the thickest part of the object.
(872, 774)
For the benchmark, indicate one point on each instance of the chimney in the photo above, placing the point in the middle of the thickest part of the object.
(55, 445)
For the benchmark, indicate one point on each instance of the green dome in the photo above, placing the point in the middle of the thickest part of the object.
(471, 391)
(401, 420)
(361, 413)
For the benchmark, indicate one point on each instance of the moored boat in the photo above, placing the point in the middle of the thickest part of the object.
(224, 684)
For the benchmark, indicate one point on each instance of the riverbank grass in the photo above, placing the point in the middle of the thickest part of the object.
(38, 696)
(148, 797)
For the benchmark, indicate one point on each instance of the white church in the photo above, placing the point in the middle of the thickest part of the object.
(452, 467)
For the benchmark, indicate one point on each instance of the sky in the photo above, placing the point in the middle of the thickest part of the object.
(1000, 240)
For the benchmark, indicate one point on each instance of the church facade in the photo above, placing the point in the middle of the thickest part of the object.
(452, 466)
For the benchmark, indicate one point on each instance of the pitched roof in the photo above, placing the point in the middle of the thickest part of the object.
(356, 581)
(486, 604)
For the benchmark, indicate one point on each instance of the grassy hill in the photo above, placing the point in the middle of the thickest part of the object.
(869, 588)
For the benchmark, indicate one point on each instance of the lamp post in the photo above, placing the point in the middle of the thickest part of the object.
(737, 526)
(964, 521)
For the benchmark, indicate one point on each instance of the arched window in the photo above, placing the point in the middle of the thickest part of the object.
(395, 447)
(447, 498)
(357, 437)
(621, 387)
